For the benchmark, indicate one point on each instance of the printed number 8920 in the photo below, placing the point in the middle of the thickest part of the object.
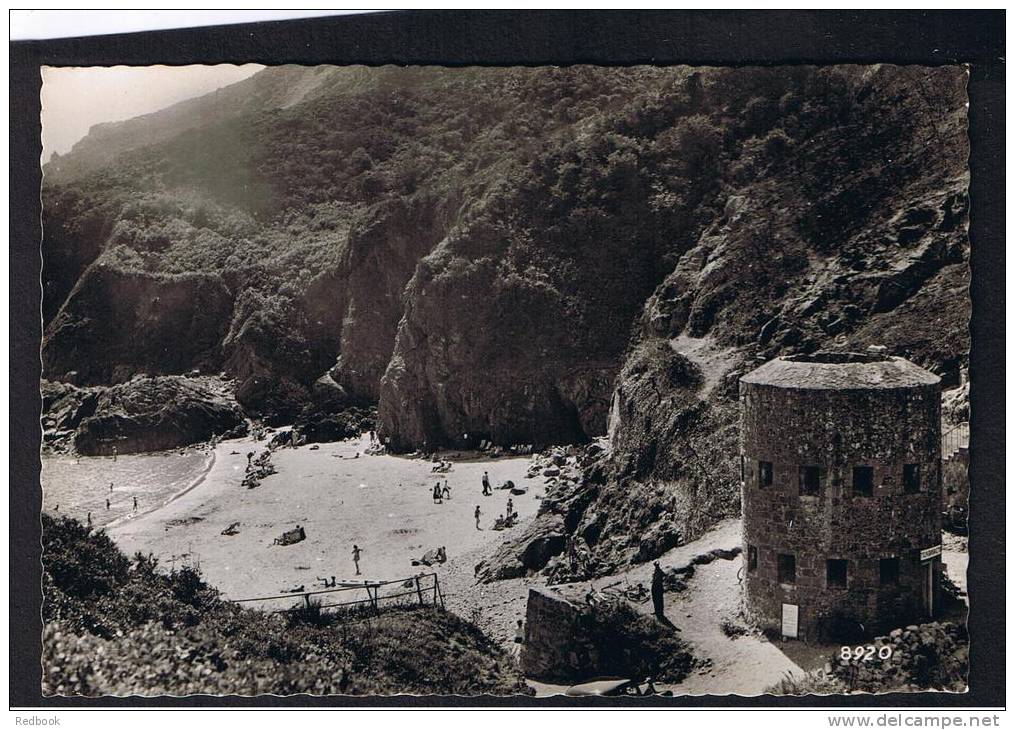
(865, 653)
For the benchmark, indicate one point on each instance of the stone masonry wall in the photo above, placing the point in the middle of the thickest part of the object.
(556, 644)
(835, 430)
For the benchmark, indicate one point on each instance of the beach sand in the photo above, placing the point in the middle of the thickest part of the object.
(384, 504)
(381, 503)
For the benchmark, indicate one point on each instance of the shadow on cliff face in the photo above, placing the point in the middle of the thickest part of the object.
(117, 323)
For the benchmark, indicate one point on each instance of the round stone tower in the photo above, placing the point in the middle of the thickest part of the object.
(840, 479)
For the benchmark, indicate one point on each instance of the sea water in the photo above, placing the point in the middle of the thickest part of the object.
(75, 486)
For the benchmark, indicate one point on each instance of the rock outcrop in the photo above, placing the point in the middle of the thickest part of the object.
(383, 250)
(155, 414)
(117, 324)
(527, 553)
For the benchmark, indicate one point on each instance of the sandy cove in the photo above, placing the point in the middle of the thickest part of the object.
(384, 504)
(381, 503)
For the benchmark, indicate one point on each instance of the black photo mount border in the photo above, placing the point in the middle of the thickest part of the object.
(532, 38)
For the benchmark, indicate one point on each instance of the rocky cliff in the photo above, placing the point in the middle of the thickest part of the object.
(527, 256)
(116, 324)
(143, 414)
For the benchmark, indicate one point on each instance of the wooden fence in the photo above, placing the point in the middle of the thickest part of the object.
(423, 590)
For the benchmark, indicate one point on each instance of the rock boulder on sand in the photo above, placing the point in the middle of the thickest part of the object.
(530, 551)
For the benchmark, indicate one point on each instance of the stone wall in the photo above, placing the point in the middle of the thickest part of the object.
(955, 478)
(794, 425)
(567, 641)
(556, 642)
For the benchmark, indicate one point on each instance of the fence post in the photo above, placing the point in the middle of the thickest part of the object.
(419, 591)
(437, 587)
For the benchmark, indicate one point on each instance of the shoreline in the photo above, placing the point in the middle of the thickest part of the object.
(197, 482)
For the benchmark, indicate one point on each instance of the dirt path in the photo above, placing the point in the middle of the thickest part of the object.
(713, 361)
(747, 665)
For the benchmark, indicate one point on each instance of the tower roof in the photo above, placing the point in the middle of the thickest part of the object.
(840, 371)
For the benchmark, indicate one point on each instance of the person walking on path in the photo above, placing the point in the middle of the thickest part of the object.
(478, 513)
(657, 590)
(355, 557)
(446, 490)
(519, 640)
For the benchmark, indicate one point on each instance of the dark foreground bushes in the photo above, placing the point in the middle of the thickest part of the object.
(119, 626)
(631, 644)
(931, 656)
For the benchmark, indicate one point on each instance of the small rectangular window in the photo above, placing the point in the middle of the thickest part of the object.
(752, 558)
(810, 480)
(764, 473)
(911, 478)
(863, 481)
(787, 569)
(889, 568)
(836, 572)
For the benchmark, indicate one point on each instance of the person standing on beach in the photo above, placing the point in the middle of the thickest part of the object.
(355, 557)
(114, 453)
(478, 513)
(89, 519)
(486, 484)
(135, 503)
(107, 503)
(110, 487)
(657, 590)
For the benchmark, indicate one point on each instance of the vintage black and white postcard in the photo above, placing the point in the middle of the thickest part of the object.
(531, 381)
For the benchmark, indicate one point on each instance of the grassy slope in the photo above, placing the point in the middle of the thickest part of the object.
(115, 625)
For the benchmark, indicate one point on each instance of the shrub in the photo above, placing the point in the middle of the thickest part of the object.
(115, 626)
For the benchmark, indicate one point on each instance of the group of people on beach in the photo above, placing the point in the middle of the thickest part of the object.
(508, 519)
(109, 505)
(441, 492)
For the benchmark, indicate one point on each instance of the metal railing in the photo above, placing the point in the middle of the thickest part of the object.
(424, 590)
(954, 439)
